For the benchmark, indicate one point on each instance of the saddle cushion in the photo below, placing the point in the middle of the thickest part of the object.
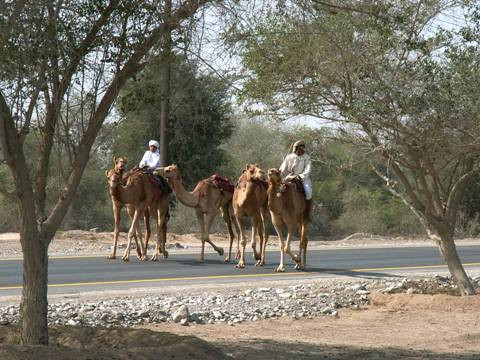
(222, 182)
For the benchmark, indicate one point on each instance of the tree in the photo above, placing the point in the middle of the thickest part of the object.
(199, 119)
(51, 51)
(404, 91)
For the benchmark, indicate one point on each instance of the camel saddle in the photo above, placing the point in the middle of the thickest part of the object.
(296, 183)
(221, 182)
(156, 180)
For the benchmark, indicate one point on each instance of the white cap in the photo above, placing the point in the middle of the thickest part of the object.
(154, 143)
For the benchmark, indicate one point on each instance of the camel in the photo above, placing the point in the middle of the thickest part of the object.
(250, 199)
(207, 200)
(141, 197)
(287, 206)
(117, 207)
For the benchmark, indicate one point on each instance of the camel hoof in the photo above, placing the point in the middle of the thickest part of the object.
(260, 263)
(125, 258)
(256, 257)
(154, 258)
(220, 251)
(240, 266)
(280, 269)
(111, 257)
(227, 259)
(199, 260)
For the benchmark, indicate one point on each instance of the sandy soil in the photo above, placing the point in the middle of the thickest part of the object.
(396, 326)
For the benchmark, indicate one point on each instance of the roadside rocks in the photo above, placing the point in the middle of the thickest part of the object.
(234, 306)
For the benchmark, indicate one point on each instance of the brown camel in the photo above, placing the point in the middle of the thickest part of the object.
(117, 207)
(140, 195)
(207, 200)
(287, 206)
(250, 199)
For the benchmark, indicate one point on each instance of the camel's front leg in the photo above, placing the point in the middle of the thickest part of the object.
(277, 224)
(138, 248)
(243, 242)
(210, 218)
(116, 231)
(291, 233)
(131, 233)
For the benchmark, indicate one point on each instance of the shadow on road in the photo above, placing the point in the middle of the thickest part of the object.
(257, 349)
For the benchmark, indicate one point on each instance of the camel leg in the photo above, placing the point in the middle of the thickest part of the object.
(138, 249)
(253, 242)
(243, 241)
(291, 233)
(148, 232)
(156, 217)
(303, 247)
(277, 224)
(131, 232)
(228, 222)
(210, 218)
(201, 221)
(116, 231)
(263, 236)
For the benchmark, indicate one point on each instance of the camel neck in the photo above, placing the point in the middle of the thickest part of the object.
(187, 198)
(275, 203)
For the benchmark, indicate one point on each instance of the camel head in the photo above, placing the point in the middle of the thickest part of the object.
(114, 178)
(253, 172)
(120, 163)
(171, 172)
(274, 176)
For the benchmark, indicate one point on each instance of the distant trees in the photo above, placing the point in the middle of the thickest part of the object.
(406, 96)
(199, 121)
(62, 58)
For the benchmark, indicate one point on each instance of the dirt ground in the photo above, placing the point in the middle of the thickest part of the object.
(395, 326)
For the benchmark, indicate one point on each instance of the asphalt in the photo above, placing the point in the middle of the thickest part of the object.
(75, 274)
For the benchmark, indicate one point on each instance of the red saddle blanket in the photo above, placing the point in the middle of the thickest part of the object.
(222, 182)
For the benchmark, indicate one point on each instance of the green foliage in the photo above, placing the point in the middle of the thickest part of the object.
(199, 121)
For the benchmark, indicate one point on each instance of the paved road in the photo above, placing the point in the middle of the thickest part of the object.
(75, 274)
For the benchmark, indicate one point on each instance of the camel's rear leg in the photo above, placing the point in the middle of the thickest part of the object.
(303, 247)
(138, 247)
(228, 222)
(210, 218)
(201, 222)
(161, 230)
(263, 237)
(277, 224)
(148, 233)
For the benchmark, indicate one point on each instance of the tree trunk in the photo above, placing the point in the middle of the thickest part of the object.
(34, 296)
(449, 253)
(166, 71)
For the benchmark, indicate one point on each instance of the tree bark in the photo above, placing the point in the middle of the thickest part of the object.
(34, 295)
(448, 250)
(166, 72)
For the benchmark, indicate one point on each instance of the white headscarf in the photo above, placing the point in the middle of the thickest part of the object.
(154, 143)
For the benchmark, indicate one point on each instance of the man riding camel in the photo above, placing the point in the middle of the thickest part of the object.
(297, 164)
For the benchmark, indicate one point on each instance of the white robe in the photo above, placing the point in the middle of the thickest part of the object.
(300, 166)
(150, 159)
